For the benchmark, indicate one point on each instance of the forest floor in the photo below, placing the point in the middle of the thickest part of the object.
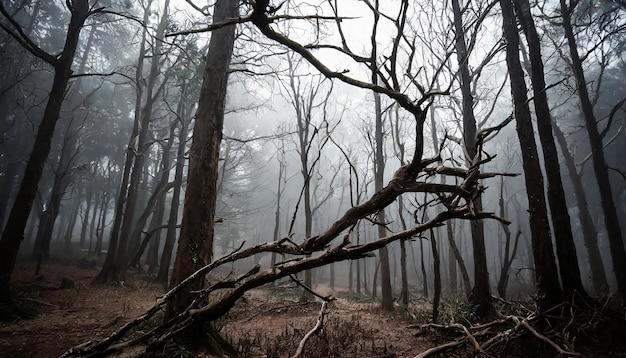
(272, 321)
(268, 322)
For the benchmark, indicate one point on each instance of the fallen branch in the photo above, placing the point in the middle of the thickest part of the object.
(441, 348)
(318, 326)
(277, 309)
(469, 336)
(311, 291)
(548, 341)
(233, 289)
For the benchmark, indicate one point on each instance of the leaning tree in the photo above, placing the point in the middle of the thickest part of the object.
(192, 304)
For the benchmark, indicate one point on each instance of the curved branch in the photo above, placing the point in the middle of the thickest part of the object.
(18, 34)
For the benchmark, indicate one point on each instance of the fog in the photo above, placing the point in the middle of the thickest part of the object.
(287, 126)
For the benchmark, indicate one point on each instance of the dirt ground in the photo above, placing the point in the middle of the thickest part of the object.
(268, 322)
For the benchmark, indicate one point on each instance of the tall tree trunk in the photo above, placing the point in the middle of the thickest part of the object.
(89, 197)
(102, 223)
(564, 240)
(480, 295)
(350, 278)
(93, 224)
(423, 268)
(110, 270)
(546, 275)
(170, 237)
(611, 219)
(13, 233)
(59, 185)
(195, 248)
(126, 242)
(279, 192)
(385, 272)
(452, 270)
(69, 230)
(360, 263)
(507, 256)
(404, 292)
(375, 279)
(436, 274)
(590, 237)
(157, 196)
(302, 103)
(152, 259)
(459, 260)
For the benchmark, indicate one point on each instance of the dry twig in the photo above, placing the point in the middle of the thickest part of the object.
(318, 326)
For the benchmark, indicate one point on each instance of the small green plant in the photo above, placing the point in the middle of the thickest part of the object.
(422, 315)
(456, 308)
(537, 294)
(178, 351)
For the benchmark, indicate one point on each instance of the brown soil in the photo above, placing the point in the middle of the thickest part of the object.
(267, 322)
(67, 317)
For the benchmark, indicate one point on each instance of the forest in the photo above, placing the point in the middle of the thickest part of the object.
(325, 178)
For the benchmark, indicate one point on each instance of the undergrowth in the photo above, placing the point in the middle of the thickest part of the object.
(355, 297)
(338, 338)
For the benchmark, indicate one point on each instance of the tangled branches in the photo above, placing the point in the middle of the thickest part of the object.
(569, 329)
(217, 299)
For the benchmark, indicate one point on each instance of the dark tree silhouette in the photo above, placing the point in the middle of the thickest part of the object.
(13, 233)
(546, 275)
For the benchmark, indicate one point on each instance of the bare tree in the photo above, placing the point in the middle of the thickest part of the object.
(611, 219)
(195, 244)
(546, 276)
(480, 294)
(13, 233)
(307, 99)
(121, 243)
(564, 239)
(418, 175)
(598, 276)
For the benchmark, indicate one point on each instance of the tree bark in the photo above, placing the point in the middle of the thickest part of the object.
(590, 236)
(546, 276)
(437, 275)
(459, 259)
(379, 170)
(423, 268)
(508, 255)
(71, 224)
(89, 197)
(480, 295)
(195, 248)
(611, 219)
(564, 240)
(170, 237)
